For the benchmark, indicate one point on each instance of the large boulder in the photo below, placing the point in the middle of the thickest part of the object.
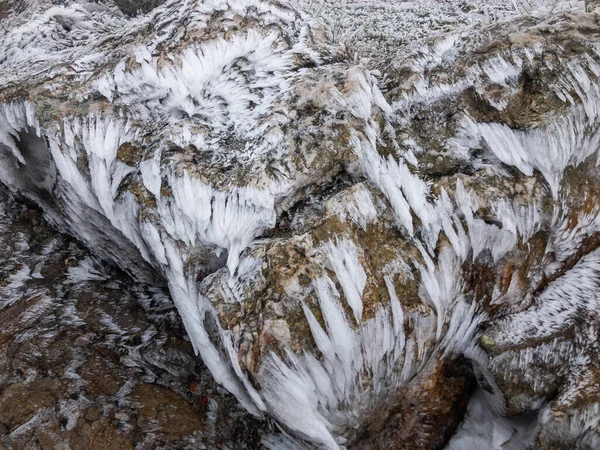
(337, 255)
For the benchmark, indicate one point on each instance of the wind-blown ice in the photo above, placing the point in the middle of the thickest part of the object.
(330, 255)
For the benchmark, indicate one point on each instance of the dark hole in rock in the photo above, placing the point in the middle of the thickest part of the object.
(218, 262)
(38, 175)
(212, 329)
(201, 118)
(211, 264)
(65, 22)
(132, 8)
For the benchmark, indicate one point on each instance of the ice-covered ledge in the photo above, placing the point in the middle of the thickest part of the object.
(331, 250)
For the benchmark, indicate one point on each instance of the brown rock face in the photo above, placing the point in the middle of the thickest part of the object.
(436, 406)
(100, 434)
(20, 402)
(162, 410)
(5, 8)
(101, 376)
(133, 8)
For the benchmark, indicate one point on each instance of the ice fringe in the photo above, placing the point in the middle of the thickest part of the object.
(570, 144)
(343, 256)
(231, 221)
(557, 307)
(323, 400)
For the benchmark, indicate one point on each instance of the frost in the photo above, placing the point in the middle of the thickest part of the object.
(565, 143)
(483, 428)
(85, 271)
(220, 123)
(558, 306)
(358, 207)
(343, 256)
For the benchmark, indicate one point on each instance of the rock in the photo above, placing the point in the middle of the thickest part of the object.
(346, 261)
(101, 377)
(19, 402)
(435, 407)
(133, 8)
(76, 348)
(99, 434)
(164, 412)
(5, 8)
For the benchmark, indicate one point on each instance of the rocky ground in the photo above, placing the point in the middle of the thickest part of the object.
(374, 29)
(388, 244)
(90, 360)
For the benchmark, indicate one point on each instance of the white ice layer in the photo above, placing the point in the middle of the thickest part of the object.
(360, 362)
(559, 305)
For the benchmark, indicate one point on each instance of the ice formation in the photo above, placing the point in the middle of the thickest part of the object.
(330, 248)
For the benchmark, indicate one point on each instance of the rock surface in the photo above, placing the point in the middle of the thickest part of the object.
(89, 360)
(404, 260)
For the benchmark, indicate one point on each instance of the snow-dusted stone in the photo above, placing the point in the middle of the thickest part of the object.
(514, 109)
(334, 252)
(91, 358)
